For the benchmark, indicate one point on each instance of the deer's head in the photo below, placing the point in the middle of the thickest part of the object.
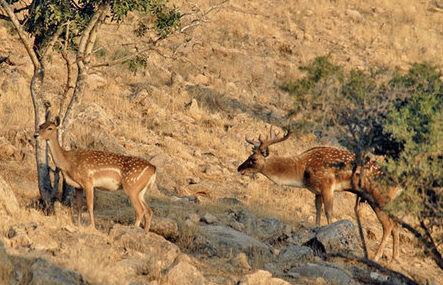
(47, 129)
(260, 151)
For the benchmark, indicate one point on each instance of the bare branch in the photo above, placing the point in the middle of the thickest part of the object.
(87, 32)
(51, 43)
(70, 84)
(202, 19)
(83, 57)
(152, 43)
(129, 57)
(372, 264)
(13, 18)
(435, 9)
(93, 35)
(3, 17)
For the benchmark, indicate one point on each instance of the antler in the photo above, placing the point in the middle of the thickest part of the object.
(254, 143)
(273, 138)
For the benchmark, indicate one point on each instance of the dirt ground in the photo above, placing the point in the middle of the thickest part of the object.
(190, 109)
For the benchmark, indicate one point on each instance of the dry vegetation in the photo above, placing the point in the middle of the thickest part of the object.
(232, 67)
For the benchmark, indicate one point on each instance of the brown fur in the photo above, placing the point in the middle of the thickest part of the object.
(87, 169)
(323, 170)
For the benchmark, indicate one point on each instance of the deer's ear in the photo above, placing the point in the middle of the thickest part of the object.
(265, 152)
(57, 121)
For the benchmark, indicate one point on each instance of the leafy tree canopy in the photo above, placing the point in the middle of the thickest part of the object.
(50, 18)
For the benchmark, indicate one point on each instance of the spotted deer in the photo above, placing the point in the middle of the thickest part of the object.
(89, 169)
(323, 170)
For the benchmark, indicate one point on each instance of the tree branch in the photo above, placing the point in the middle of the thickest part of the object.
(12, 17)
(200, 20)
(82, 58)
(375, 265)
(70, 84)
(128, 58)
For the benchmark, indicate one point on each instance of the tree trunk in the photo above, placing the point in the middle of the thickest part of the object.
(67, 194)
(48, 192)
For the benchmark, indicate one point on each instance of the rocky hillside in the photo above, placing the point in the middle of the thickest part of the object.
(188, 112)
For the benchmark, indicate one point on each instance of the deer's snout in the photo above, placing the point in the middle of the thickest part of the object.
(244, 166)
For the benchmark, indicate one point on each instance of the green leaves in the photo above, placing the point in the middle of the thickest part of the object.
(349, 106)
(417, 122)
(158, 18)
(399, 115)
(319, 71)
(48, 20)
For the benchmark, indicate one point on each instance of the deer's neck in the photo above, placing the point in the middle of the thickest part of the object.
(59, 155)
(284, 171)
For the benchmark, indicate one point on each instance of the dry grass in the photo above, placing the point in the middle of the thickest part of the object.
(244, 53)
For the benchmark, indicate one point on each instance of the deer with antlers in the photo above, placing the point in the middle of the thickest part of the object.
(324, 170)
(87, 169)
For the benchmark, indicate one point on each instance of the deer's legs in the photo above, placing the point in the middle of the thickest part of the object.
(89, 193)
(148, 216)
(146, 210)
(328, 200)
(133, 195)
(79, 202)
(387, 225)
(395, 239)
(318, 207)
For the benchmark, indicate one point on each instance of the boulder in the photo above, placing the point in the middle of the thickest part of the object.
(5, 265)
(165, 227)
(44, 273)
(7, 150)
(194, 110)
(224, 242)
(244, 217)
(289, 257)
(184, 273)
(8, 201)
(208, 218)
(240, 262)
(314, 272)
(261, 277)
(150, 245)
(272, 230)
(340, 236)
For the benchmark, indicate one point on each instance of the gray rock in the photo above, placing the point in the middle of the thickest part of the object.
(143, 282)
(184, 273)
(209, 219)
(165, 227)
(261, 277)
(354, 15)
(314, 271)
(243, 216)
(340, 236)
(272, 230)
(289, 257)
(224, 241)
(8, 201)
(230, 200)
(44, 273)
(5, 265)
(151, 245)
